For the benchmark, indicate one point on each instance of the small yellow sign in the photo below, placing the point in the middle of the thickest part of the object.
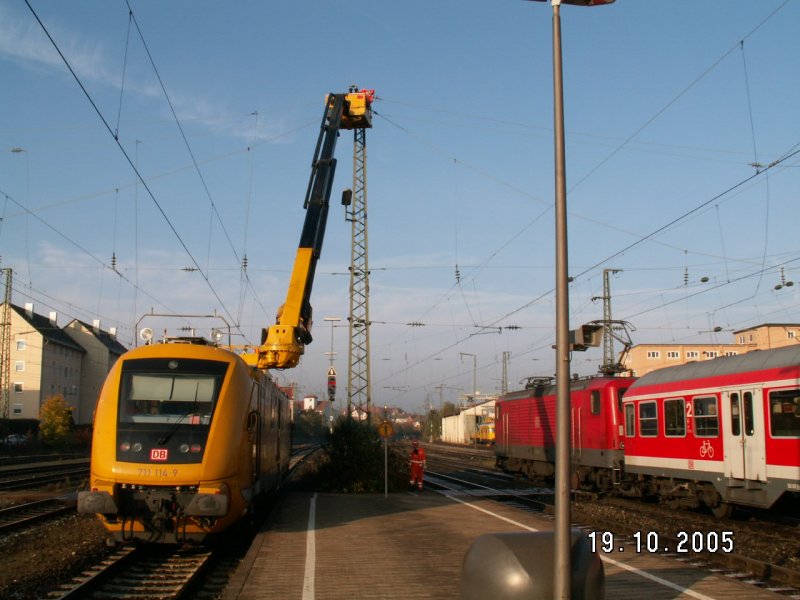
(385, 429)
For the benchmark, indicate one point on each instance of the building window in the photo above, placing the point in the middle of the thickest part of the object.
(731, 353)
(19, 366)
(17, 388)
(711, 353)
(790, 334)
(653, 354)
(675, 417)
(692, 354)
(741, 339)
(21, 345)
(706, 423)
(673, 354)
(16, 409)
(751, 337)
(648, 419)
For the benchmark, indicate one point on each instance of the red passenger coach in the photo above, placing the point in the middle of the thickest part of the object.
(525, 429)
(721, 432)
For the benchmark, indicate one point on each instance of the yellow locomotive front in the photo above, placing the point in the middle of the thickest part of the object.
(172, 453)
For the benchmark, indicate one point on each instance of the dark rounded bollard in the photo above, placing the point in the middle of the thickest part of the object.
(517, 566)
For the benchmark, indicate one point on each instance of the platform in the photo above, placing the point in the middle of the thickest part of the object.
(337, 546)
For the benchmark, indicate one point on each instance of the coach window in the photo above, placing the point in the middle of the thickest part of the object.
(784, 408)
(706, 423)
(675, 417)
(736, 421)
(630, 420)
(648, 419)
(749, 422)
(595, 400)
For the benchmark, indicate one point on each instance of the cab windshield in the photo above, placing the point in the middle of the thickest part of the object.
(170, 391)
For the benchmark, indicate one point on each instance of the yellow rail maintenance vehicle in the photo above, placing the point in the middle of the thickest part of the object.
(189, 434)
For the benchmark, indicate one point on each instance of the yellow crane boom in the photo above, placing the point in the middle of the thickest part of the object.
(283, 343)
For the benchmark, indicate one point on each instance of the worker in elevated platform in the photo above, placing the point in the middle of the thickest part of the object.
(418, 464)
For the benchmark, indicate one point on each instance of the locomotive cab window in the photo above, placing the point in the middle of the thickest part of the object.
(706, 421)
(169, 391)
(620, 395)
(648, 419)
(595, 402)
(784, 409)
(675, 417)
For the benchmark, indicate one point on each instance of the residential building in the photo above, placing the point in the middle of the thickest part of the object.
(769, 335)
(643, 358)
(46, 360)
(102, 351)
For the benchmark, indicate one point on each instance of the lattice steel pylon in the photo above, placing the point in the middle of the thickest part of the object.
(609, 360)
(359, 387)
(5, 347)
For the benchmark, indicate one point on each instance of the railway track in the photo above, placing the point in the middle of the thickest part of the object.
(27, 476)
(142, 572)
(20, 516)
(169, 572)
(656, 529)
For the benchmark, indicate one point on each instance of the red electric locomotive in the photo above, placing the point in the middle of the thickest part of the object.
(525, 427)
(720, 432)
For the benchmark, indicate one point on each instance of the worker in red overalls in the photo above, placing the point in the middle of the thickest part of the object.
(418, 464)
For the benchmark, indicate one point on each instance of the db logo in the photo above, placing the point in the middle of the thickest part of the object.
(159, 454)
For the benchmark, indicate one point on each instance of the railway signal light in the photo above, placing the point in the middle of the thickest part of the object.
(331, 384)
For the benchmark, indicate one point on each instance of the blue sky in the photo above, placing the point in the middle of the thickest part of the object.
(668, 106)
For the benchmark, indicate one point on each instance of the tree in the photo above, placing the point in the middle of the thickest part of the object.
(310, 426)
(55, 419)
(449, 409)
(355, 460)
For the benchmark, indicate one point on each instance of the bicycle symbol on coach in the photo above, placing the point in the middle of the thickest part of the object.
(706, 450)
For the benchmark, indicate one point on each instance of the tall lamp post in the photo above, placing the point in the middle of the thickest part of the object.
(563, 541)
(474, 373)
(331, 320)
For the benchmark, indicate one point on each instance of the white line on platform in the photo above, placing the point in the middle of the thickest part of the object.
(311, 551)
(616, 563)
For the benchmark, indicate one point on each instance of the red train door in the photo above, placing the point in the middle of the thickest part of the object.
(744, 430)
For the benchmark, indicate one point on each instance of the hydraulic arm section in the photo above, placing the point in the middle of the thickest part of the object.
(283, 344)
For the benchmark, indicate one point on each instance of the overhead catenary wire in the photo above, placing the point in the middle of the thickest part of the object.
(124, 70)
(499, 236)
(788, 155)
(130, 161)
(671, 102)
(86, 252)
(677, 97)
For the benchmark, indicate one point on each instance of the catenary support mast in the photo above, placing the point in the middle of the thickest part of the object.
(359, 388)
(609, 360)
(5, 348)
